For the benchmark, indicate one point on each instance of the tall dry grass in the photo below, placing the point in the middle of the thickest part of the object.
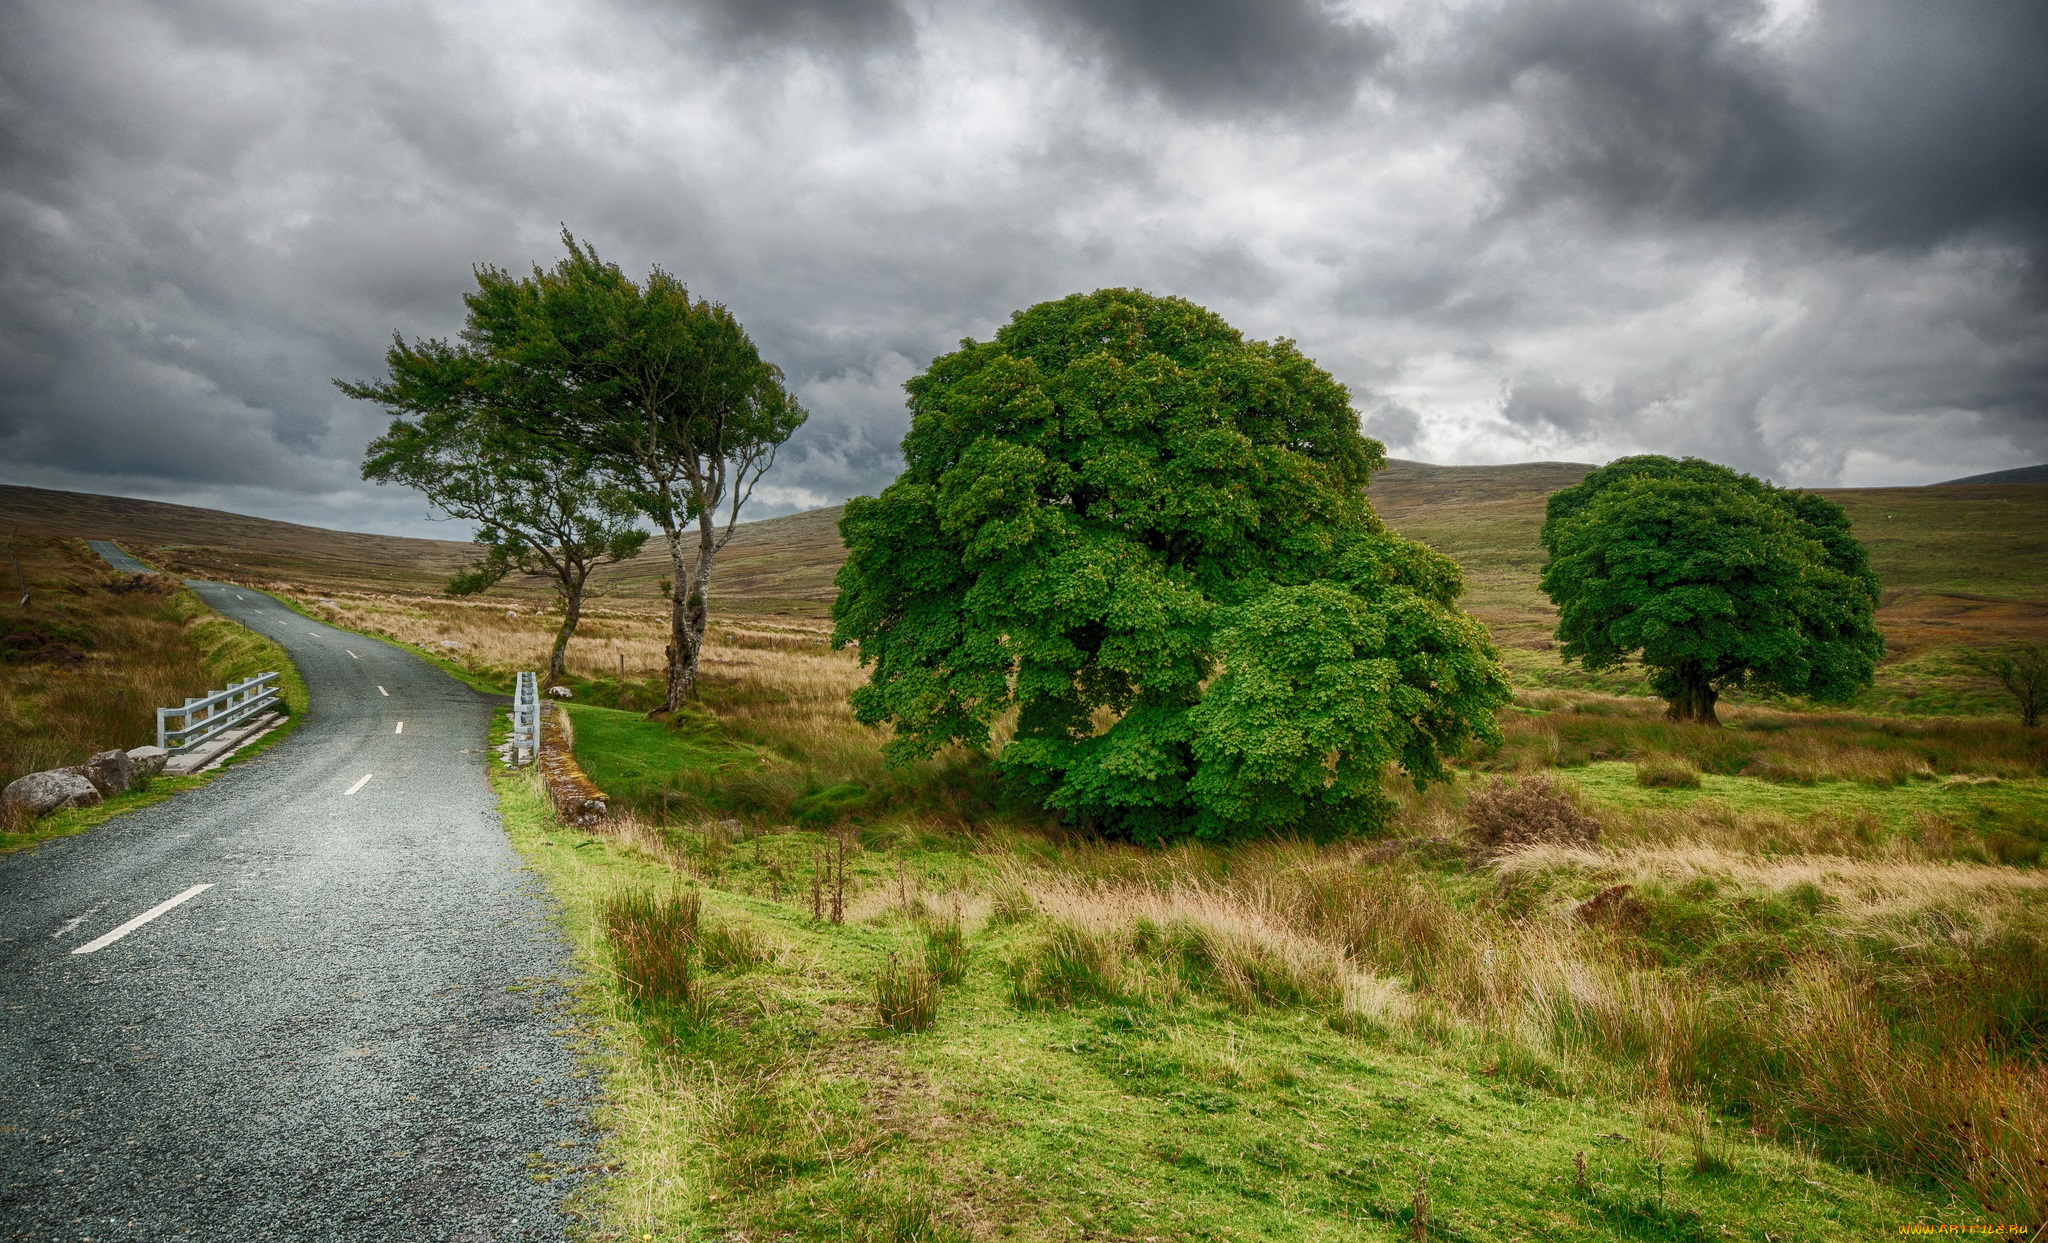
(615, 640)
(1899, 1022)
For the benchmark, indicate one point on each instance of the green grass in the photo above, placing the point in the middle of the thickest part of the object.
(777, 1105)
(784, 1109)
(635, 759)
(1896, 808)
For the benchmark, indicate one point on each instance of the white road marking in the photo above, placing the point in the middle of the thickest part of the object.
(99, 943)
(400, 729)
(383, 692)
(351, 655)
(360, 783)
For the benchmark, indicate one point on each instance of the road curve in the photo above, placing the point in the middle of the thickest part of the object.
(351, 1034)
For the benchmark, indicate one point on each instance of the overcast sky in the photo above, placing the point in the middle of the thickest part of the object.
(1809, 240)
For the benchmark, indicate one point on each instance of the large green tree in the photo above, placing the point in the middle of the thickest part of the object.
(1712, 579)
(1148, 538)
(540, 507)
(666, 393)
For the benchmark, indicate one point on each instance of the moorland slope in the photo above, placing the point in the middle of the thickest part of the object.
(1964, 565)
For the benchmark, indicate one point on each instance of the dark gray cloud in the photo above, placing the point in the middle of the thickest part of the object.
(1803, 238)
(1641, 107)
(1884, 122)
(833, 27)
(1221, 55)
(1936, 120)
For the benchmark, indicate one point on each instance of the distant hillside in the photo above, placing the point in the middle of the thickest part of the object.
(2018, 474)
(201, 542)
(1961, 563)
(775, 563)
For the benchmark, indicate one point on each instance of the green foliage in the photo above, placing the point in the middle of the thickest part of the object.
(1713, 579)
(666, 393)
(1148, 536)
(540, 504)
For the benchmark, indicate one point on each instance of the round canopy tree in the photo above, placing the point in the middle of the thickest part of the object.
(1149, 538)
(1713, 579)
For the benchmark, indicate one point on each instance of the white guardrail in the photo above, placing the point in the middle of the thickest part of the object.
(525, 718)
(205, 717)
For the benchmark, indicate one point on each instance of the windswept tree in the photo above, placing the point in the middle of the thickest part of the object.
(2023, 672)
(1713, 580)
(1148, 537)
(666, 393)
(539, 506)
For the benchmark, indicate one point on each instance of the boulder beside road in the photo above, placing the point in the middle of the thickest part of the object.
(109, 771)
(146, 762)
(39, 794)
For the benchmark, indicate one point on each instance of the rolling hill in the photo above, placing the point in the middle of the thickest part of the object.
(1962, 564)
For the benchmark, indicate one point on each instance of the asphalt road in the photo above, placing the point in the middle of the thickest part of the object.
(352, 1033)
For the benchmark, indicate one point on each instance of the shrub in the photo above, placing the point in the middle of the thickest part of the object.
(1667, 772)
(650, 940)
(1504, 816)
(906, 995)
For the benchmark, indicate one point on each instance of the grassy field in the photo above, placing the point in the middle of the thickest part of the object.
(1804, 994)
(86, 663)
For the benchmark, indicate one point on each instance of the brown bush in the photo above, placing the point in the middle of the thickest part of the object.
(1538, 810)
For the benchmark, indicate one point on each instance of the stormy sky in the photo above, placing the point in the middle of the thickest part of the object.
(1807, 239)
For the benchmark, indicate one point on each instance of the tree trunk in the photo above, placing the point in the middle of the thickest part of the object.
(1694, 700)
(682, 662)
(572, 610)
(688, 612)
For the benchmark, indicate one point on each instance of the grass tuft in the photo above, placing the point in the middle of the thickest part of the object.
(906, 995)
(1667, 772)
(945, 949)
(650, 939)
(732, 947)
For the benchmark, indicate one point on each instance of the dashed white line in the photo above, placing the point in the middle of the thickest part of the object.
(400, 729)
(102, 942)
(360, 783)
(383, 692)
(351, 655)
